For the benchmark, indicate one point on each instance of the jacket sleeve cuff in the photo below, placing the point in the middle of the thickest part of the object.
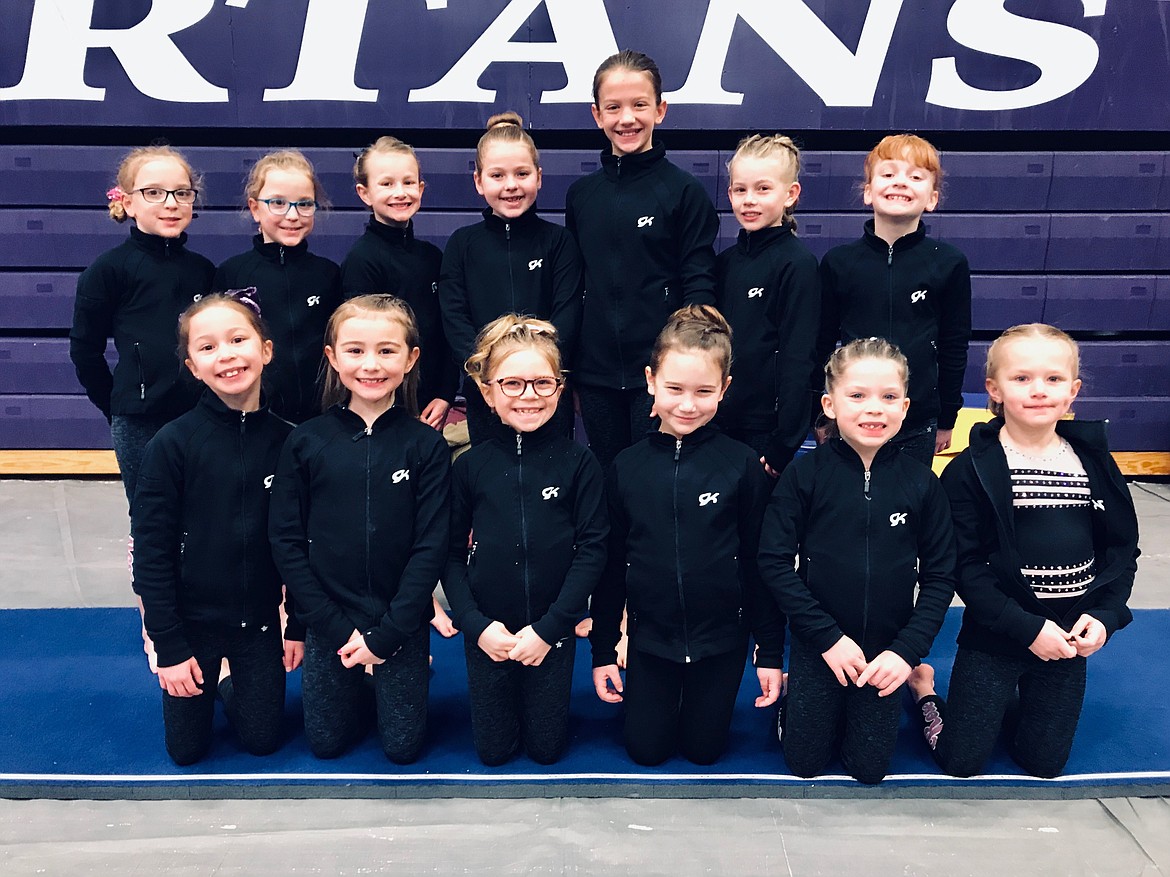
(171, 647)
(294, 630)
(549, 630)
(384, 640)
(472, 625)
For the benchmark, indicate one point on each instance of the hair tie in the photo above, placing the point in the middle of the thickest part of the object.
(115, 194)
(529, 327)
(246, 296)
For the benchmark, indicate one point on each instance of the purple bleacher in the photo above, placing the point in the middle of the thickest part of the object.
(1106, 181)
(66, 176)
(37, 365)
(1103, 242)
(994, 243)
(845, 182)
(1125, 368)
(1099, 303)
(51, 422)
(1136, 423)
(37, 300)
(973, 376)
(987, 181)
(1002, 300)
(1160, 312)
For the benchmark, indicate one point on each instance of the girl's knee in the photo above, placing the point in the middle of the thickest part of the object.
(803, 763)
(647, 754)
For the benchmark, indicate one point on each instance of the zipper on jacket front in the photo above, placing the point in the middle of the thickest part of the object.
(141, 372)
(511, 274)
(890, 291)
(678, 558)
(523, 528)
(244, 517)
(367, 432)
(292, 331)
(865, 592)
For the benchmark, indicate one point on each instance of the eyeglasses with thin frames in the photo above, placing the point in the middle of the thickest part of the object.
(518, 386)
(281, 206)
(155, 195)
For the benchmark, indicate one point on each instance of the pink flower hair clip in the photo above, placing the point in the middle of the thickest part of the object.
(116, 194)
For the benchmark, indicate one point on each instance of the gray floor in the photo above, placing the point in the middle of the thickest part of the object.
(62, 543)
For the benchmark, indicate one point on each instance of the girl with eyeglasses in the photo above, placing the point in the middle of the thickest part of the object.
(135, 293)
(297, 289)
(533, 504)
(512, 262)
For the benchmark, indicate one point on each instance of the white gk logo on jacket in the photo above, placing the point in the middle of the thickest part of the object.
(313, 300)
(756, 292)
(400, 475)
(550, 493)
(898, 518)
(707, 498)
(644, 221)
(268, 482)
(1098, 505)
(918, 295)
(535, 263)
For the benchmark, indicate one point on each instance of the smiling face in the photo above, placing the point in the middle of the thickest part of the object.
(394, 187)
(170, 218)
(508, 179)
(226, 353)
(869, 403)
(627, 110)
(289, 228)
(761, 192)
(372, 358)
(687, 390)
(900, 190)
(1035, 383)
(528, 411)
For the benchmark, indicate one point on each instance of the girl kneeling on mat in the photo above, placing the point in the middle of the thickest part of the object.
(685, 505)
(1047, 540)
(202, 564)
(534, 504)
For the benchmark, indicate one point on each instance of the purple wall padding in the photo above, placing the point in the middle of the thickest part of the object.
(54, 422)
(1103, 242)
(1099, 302)
(1104, 181)
(1002, 300)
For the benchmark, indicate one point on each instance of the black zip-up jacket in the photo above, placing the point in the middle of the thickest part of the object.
(135, 293)
(684, 531)
(359, 525)
(298, 292)
(390, 259)
(646, 230)
(200, 524)
(864, 539)
(770, 293)
(1003, 616)
(536, 507)
(917, 294)
(526, 265)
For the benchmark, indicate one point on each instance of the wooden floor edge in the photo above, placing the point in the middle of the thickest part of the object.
(66, 463)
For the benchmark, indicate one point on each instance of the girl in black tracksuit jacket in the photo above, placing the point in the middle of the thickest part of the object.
(202, 565)
(646, 230)
(534, 505)
(388, 257)
(135, 293)
(511, 262)
(864, 533)
(1047, 551)
(769, 292)
(298, 290)
(359, 526)
(685, 506)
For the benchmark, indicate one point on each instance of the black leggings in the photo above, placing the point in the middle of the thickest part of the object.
(820, 712)
(963, 729)
(513, 704)
(254, 702)
(339, 706)
(614, 419)
(685, 708)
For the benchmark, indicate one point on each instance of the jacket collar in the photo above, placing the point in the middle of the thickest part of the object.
(753, 241)
(525, 220)
(211, 405)
(160, 246)
(628, 166)
(273, 251)
(700, 436)
(357, 426)
(1090, 434)
(391, 234)
(538, 438)
(905, 242)
(842, 448)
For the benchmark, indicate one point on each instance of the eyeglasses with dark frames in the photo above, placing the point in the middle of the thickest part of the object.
(156, 195)
(540, 386)
(281, 206)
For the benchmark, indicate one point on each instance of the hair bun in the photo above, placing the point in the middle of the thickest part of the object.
(499, 120)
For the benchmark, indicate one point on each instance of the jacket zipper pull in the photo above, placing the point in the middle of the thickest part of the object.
(866, 491)
(890, 255)
(519, 440)
(282, 255)
(243, 417)
(141, 391)
(677, 448)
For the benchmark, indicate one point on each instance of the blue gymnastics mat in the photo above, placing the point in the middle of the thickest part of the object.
(80, 717)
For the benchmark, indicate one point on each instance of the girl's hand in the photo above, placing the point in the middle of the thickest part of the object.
(607, 682)
(846, 660)
(771, 680)
(886, 673)
(942, 440)
(497, 641)
(356, 652)
(441, 621)
(294, 653)
(1087, 635)
(181, 680)
(1052, 643)
(768, 468)
(530, 649)
(435, 413)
